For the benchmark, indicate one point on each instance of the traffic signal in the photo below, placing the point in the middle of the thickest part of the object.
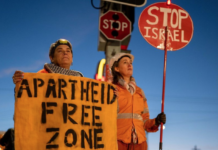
(115, 25)
(128, 11)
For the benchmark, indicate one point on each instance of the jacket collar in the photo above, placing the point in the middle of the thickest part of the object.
(131, 86)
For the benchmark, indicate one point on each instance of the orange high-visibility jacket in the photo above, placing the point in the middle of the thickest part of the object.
(42, 71)
(133, 110)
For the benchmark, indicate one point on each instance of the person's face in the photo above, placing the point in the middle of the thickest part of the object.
(62, 56)
(125, 67)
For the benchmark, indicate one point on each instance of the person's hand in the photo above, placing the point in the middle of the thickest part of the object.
(116, 92)
(160, 118)
(18, 76)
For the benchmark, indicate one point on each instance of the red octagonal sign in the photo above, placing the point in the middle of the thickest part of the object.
(156, 17)
(115, 25)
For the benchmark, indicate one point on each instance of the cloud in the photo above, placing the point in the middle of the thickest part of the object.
(32, 67)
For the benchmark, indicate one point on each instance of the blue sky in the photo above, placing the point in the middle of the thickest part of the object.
(27, 28)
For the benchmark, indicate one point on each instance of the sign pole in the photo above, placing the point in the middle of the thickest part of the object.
(179, 27)
(113, 48)
(164, 81)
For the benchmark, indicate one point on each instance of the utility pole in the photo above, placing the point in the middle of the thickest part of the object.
(115, 27)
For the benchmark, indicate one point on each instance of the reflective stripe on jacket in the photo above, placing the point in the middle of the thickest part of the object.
(133, 109)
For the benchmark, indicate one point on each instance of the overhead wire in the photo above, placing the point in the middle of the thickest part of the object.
(101, 7)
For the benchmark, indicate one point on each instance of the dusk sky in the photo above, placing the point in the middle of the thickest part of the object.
(27, 29)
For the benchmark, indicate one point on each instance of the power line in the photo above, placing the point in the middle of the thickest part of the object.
(191, 121)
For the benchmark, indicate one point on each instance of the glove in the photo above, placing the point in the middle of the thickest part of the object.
(160, 118)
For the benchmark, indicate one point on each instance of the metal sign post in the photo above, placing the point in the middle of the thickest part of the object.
(178, 27)
(115, 28)
(112, 49)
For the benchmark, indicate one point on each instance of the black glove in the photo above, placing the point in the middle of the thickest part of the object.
(160, 118)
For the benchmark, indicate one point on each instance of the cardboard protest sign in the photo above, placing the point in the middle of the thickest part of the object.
(54, 111)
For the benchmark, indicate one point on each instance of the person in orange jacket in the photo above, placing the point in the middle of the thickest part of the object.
(61, 56)
(133, 113)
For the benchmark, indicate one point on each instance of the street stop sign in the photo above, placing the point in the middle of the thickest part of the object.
(156, 17)
(115, 25)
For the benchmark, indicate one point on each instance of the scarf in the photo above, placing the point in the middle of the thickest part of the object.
(52, 68)
(131, 87)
